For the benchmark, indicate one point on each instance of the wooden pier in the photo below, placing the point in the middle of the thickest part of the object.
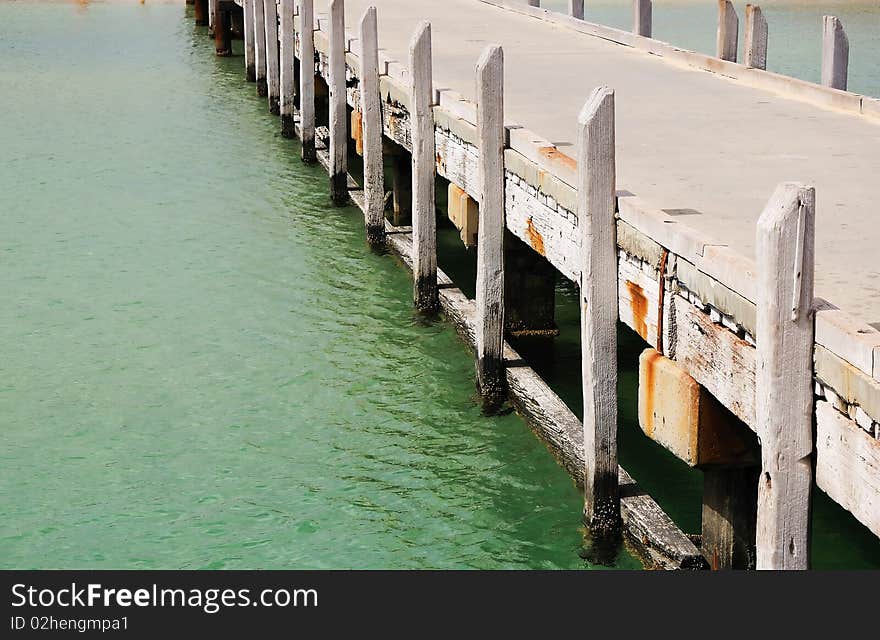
(659, 181)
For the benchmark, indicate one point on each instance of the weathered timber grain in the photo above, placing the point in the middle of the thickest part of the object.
(835, 53)
(490, 238)
(307, 79)
(249, 64)
(642, 17)
(598, 290)
(338, 106)
(576, 9)
(371, 107)
(755, 44)
(424, 221)
(273, 83)
(728, 31)
(260, 47)
(287, 53)
(784, 376)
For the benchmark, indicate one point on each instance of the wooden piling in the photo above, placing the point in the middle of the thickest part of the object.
(401, 189)
(489, 336)
(222, 32)
(835, 53)
(424, 220)
(784, 376)
(371, 107)
(576, 9)
(338, 106)
(728, 31)
(260, 48)
(273, 82)
(534, 3)
(642, 17)
(598, 288)
(212, 17)
(307, 79)
(755, 44)
(249, 66)
(728, 517)
(288, 81)
(201, 13)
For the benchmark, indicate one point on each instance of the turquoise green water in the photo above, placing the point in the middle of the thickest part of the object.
(203, 366)
(794, 28)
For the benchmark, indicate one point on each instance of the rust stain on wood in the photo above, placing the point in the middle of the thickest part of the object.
(535, 238)
(555, 155)
(639, 305)
(648, 395)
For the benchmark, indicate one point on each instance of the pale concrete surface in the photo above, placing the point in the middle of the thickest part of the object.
(687, 139)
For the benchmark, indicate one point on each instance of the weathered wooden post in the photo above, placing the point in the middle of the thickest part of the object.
(534, 3)
(222, 31)
(307, 79)
(576, 9)
(201, 13)
(288, 82)
(374, 184)
(338, 106)
(784, 377)
(728, 31)
(835, 53)
(755, 44)
(424, 219)
(595, 211)
(249, 66)
(273, 82)
(260, 47)
(490, 234)
(642, 17)
(212, 17)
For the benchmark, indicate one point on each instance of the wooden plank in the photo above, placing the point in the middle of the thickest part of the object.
(848, 465)
(490, 234)
(287, 54)
(260, 47)
(273, 82)
(728, 31)
(784, 376)
(424, 220)
(835, 53)
(642, 17)
(374, 185)
(576, 9)
(338, 106)
(755, 45)
(307, 79)
(598, 286)
(249, 64)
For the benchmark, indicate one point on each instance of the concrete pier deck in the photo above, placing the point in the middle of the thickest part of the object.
(705, 147)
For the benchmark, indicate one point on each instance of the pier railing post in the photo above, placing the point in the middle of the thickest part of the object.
(642, 17)
(490, 233)
(249, 67)
(307, 79)
(424, 218)
(273, 84)
(835, 53)
(728, 31)
(260, 47)
(576, 9)
(338, 106)
(598, 290)
(371, 107)
(784, 377)
(287, 79)
(755, 43)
